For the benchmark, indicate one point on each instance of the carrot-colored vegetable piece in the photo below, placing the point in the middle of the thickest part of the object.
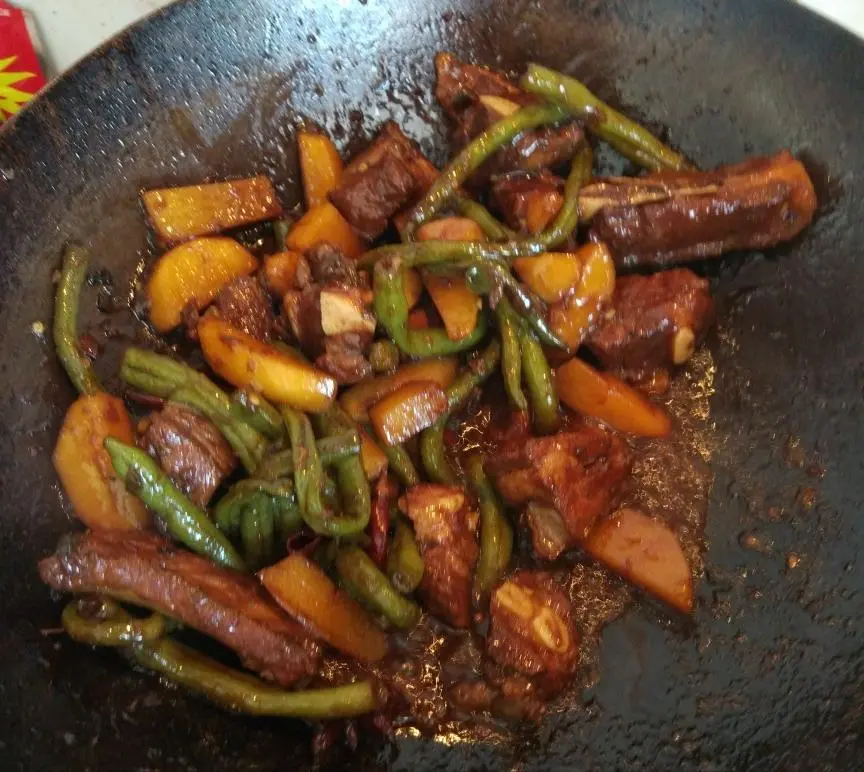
(645, 552)
(572, 318)
(552, 276)
(407, 411)
(358, 399)
(323, 224)
(280, 270)
(455, 303)
(320, 166)
(246, 362)
(413, 286)
(451, 229)
(373, 458)
(603, 396)
(306, 592)
(99, 498)
(180, 214)
(193, 274)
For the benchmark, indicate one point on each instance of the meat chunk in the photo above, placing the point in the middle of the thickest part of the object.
(245, 304)
(580, 473)
(226, 605)
(191, 450)
(655, 321)
(531, 629)
(528, 202)
(391, 173)
(756, 204)
(584, 472)
(446, 529)
(331, 316)
(329, 265)
(549, 536)
(464, 90)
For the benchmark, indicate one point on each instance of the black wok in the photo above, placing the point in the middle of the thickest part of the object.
(770, 675)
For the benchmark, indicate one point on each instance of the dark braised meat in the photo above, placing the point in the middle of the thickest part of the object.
(384, 178)
(331, 315)
(655, 321)
(579, 472)
(476, 97)
(226, 605)
(328, 265)
(245, 304)
(755, 204)
(191, 450)
(531, 629)
(446, 529)
(528, 202)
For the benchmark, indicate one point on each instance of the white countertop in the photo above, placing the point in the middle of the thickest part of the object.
(71, 28)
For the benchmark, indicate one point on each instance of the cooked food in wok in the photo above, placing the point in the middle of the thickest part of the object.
(406, 453)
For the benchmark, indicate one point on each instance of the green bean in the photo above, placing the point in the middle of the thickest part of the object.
(259, 414)
(541, 388)
(404, 562)
(400, 462)
(475, 153)
(308, 471)
(434, 455)
(173, 380)
(473, 210)
(567, 219)
(391, 309)
(366, 582)
(113, 628)
(331, 450)
(511, 353)
(626, 136)
(435, 462)
(429, 253)
(384, 356)
(496, 533)
(76, 364)
(351, 480)
(182, 519)
(256, 535)
(244, 693)
(232, 689)
(248, 494)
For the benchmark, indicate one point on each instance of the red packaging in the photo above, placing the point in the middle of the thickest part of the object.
(21, 74)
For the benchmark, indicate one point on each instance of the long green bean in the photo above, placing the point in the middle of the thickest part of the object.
(511, 353)
(114, 627)
(475, 153)
(391, 308)
(173, 380)
(76, 364)
(496, 533)
(626, 136)
(370, 585)
(474, 210)
(244, 693)
(405, 564)
(182, 519)
(330, 449)
(400, 462)
(541, 388)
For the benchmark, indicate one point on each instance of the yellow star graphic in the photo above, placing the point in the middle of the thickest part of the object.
(11, 99)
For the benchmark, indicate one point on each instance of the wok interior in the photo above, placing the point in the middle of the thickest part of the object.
(191, 97)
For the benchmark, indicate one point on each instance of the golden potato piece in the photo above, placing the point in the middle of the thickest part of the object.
(99, 498)
(645, 552)
(246, 362)
(180, 214)
(194, 273)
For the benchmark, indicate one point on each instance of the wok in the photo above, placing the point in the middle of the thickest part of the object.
(770, 673)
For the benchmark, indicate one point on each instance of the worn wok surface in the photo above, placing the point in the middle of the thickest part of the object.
(770, 672)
